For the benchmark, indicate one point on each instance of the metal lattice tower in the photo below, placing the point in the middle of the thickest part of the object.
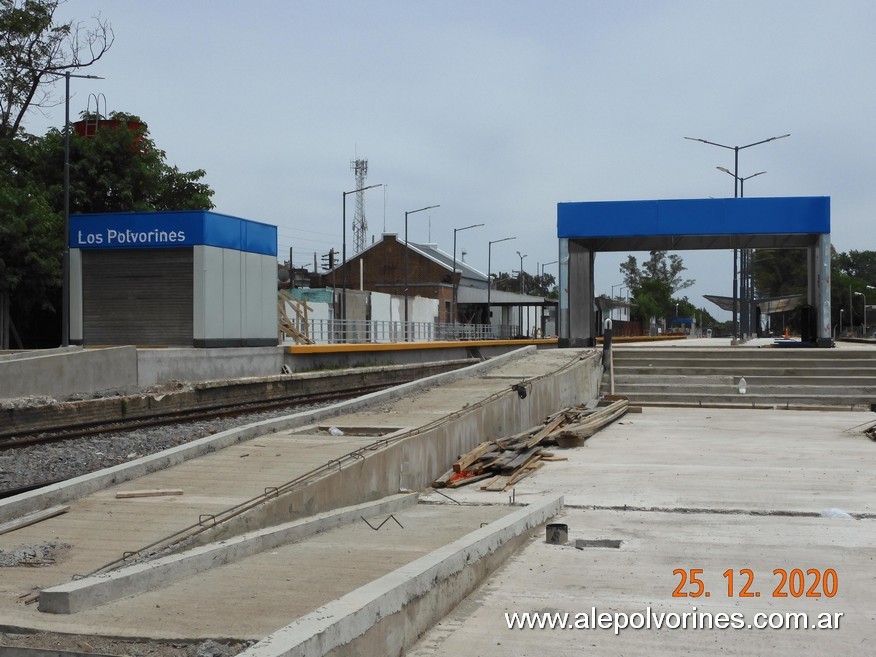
(360, 225)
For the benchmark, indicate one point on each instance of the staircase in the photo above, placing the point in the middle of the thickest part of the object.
(775, 377)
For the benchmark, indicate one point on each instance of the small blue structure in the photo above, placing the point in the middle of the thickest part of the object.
(586, 228)
(187, 278)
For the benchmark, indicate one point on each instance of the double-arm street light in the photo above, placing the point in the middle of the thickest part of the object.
(735, 175)
(429, 207)
(344, 251)
(453, 281)
(747, 296)
(489, 282)
(522, 280)
(522, 291)
(65, 262)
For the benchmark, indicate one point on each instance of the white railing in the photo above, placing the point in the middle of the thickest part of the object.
(333, 331)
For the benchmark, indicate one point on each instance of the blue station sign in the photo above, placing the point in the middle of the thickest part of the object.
(162, 230)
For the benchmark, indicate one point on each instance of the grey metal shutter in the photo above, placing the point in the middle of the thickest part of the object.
(138, 297)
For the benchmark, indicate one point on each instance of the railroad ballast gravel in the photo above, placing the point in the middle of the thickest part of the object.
(40, 463)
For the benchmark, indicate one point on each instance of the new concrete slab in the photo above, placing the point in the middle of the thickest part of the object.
(686, 489)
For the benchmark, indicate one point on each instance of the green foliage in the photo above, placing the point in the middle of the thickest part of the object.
(783, 271)
(779, 272)
(659, 267)
(119, 169)
(653, 285)
(541, 285)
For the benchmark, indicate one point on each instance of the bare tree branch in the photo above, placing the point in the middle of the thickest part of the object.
(34, 51)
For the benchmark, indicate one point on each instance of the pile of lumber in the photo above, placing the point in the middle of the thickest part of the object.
(501, 463)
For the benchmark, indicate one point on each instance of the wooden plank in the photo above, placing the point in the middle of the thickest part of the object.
(543, 433)
(469, 480)
(523, 473)
(554, 458)
(441, 481)
(498, 483)
(33, 518)
(157, 492)
(522, 459)
(600, 419)
(472, 456)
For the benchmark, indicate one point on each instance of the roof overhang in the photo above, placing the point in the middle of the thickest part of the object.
(695, 224)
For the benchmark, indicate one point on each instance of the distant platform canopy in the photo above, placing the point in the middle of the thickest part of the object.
(767, 305)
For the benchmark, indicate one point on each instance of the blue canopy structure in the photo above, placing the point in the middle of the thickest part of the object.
(586, 228)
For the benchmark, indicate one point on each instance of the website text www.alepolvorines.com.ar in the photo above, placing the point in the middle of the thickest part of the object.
(649, 619)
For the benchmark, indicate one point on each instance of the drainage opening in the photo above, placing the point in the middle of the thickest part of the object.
(582, 543)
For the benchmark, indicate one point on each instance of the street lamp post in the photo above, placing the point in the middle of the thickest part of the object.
(65, 263)
(747, 275)
(542, 321)
(430, 207)
(861, 294)
(489, 282)
(869, 287)
(522, 292)
(344, 252)
(840, 323)
(736, 150)
(455, 284)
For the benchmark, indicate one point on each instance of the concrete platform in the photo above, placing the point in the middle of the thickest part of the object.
(249, 599)
(681, 489)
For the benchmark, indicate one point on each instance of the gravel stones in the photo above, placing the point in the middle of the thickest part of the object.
(35, 464)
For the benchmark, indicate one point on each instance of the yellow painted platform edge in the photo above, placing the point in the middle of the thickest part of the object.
(409, 346)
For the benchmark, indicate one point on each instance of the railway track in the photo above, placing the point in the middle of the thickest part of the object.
(61, 421)
(35, 436)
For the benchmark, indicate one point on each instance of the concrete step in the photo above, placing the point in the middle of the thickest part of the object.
(665, 398)
(774, 377)
(741, 352)
(626, 379)
(729, 387)
(741, 369)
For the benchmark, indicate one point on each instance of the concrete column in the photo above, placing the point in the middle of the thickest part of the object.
(581, 296)
(562, 327)
(823, 293)
(76, 316)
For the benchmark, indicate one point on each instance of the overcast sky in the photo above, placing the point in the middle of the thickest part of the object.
(497, 111)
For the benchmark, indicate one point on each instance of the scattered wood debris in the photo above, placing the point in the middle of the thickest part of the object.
(157, 492)
(33, 518)
(502, 462)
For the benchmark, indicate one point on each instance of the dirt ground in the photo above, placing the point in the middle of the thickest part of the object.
(98, 645)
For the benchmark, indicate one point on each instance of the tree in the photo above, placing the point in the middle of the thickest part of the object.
(119, 168)
(779, 272)
(542, 285)
(35, 51)
(653, 285)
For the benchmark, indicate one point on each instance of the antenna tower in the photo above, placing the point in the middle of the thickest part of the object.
(360, 225)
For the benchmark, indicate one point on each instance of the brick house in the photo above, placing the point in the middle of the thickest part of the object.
(382, 269)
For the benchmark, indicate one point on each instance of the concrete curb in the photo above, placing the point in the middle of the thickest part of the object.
(89, 592)
(387, 615)
(61, 493)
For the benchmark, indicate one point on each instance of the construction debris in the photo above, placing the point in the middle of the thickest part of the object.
(157, 492)
(502, 462)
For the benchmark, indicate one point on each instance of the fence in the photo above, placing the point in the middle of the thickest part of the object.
(330, 331)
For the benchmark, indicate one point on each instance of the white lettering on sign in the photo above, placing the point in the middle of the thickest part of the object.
(129, 237)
